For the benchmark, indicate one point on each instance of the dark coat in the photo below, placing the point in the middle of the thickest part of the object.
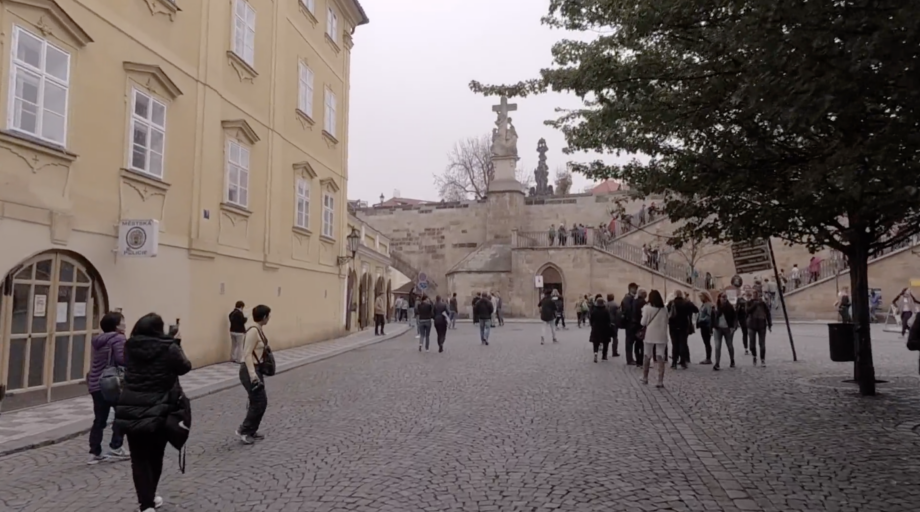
(758, 315)
(107, 346)
(425, 310)
(547, 308)
(151, 383)
(601, 330)
(636, 313)
(439, 309)
(682, 319)
(728, 311)
(627, 305)
(475, 316)
(237, 322)
(483, 309)
(614, 311)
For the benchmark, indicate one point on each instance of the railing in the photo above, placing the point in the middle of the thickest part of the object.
(604, 240)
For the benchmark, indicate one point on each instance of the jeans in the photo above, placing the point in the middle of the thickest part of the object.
(453, 320)
(560, 318)
(724, 333)
(484, 330)
(424, 332)
(706, 332)
(501, 319)
(147, 465)
(601, 343)
(679, 347)
(759, 334)
(744, 333)
(615, 339)
(440, 327)
(630, 344)
(258, 402)
(411, 316)
(379, 322)
(101, 410)
(237, 340)
(550, 326)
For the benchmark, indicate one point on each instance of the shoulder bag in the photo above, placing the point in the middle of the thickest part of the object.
(640, 334)
(112, 380)
(266, 365)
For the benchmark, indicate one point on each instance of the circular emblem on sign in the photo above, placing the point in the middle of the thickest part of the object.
(135, 238)
(737, 281)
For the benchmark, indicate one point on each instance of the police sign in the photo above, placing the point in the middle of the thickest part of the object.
(138, 238)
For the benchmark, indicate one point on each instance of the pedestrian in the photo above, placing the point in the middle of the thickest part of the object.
(494, 301)
(759, 322)
(498, 310)
(410, 309)
(552, 234)
(560, 308)
(255, 349)
(614, 310)
(796, 276)
(108, 349)
(473, 314)
(398, 307)
(441, 321)
(548, 309)
(425, 312)
(584, 306)
(600, 327)
(680, 315)
(639, 346)
(741, 312)
(237, 331)
(483, 311)
(563, 234)
(843, 306)
(904, 304)
(725, 322)
(154, 361)
(704, 324)
(380, 315)
(655, 341)
(453, 308)
(627, 323)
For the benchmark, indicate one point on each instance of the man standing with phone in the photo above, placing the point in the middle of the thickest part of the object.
(237, 331)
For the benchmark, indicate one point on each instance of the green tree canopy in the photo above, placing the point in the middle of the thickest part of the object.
(788, 118)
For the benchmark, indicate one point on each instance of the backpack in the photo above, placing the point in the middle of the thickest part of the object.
(266, 365)
(179, 423)
(672, 310)
(112, 380)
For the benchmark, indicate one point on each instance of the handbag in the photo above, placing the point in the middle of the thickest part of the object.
(112, 380)
(265, 365)
(178, 425)
(640, 334)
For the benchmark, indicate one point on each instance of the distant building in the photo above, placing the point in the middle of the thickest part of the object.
(608, 187)
(401, 201)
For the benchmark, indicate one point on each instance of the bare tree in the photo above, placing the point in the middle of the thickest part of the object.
(563, 181)
(470, 171)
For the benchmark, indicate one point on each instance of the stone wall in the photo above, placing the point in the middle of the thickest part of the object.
(891, 273)
(587, 209)
(584, 271)
(433, 238)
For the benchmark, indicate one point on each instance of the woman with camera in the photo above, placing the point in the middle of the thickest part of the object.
(154, 362)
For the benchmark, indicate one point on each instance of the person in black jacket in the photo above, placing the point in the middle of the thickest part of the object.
(237, 331)
(425, 316)
(151, 392)
(600, 327)
(560, 308)
(759, 321)
(547, 307)
(483, 311)
(741, 311)
(614, 310)
(680, 318)
(473, 304)
(724, 323)
(441, 321)
(628, 323)
(639, 346)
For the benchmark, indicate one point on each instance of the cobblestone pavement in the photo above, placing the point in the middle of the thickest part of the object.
(519, 426)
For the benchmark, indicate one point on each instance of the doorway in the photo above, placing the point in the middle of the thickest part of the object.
(552, 279)
(49, 312)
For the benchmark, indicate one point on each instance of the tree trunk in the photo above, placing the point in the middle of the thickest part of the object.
(859, 297)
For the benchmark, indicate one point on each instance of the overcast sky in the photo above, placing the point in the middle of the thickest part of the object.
(410, 100)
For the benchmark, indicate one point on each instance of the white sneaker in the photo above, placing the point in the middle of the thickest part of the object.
(96, 459)
(120, 453)
(158, 502)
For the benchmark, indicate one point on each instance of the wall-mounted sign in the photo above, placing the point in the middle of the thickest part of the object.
(538, 281)
(39, 306)
(138, 238)
(752, 256)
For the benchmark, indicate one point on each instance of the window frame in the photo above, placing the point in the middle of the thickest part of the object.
(306, 88)
(328, 224)
(241, 52)
(332, 24)
(18, 66)
(305, 198)
(228, 163)
(310, 5)
(134, 118)
(330, 122)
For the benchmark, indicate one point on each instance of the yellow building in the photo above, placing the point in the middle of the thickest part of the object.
(225, 122)
(369, 275)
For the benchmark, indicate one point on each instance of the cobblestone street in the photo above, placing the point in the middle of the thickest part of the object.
(519, 426)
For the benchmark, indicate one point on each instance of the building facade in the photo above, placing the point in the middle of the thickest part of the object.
(369, 275)
(225, 121)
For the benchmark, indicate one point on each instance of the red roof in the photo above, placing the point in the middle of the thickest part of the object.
(401, 201)
(608, 187)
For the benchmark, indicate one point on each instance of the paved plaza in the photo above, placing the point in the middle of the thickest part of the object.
(519, 426)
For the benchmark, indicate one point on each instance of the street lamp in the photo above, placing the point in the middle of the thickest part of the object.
(353, 240)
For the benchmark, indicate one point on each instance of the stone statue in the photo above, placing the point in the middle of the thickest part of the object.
(504, 135)
(543, 187)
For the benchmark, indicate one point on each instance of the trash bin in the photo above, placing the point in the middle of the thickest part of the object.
(843, 342)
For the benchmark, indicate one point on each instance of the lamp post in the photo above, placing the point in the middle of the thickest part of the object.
(353, 239)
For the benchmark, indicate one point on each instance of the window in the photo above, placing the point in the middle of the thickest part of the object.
(332, 24)
(39, 85)
(330, 112)
(237, 174)
(244, 31)
(302, 217)
(305, 103)
(310, 5)
(328, 215)
(148, 134)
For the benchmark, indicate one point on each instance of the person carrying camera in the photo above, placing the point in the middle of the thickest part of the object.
(251, 377)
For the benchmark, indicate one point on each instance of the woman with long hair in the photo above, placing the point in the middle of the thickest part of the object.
(154, 362)
(441, 320)
(725, 322)
(704, 324)
(655, 322)
(601, 330)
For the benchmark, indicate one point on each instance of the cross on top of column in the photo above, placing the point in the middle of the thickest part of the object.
(504, 107)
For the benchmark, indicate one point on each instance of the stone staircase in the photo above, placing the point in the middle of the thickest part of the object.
(402, 264)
